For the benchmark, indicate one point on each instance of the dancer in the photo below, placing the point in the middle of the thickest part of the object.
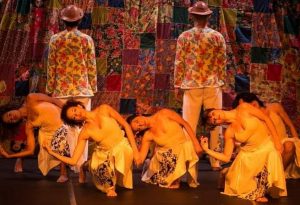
(111, 162)
(175, 153)
(257, 169)
(291, 144)
(42, 112)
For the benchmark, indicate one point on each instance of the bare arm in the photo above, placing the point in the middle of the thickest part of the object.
(79, 149)
(228, 147)
(175, 117)
(33, 98)
(29, 150)
(146, 141)
(280, 110)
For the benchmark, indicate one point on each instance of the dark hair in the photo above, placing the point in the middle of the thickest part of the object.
(63, 115)
(246, 97)
(197, 18)
(72, 24)
(205, 119)
(8, 129)
(130, 118)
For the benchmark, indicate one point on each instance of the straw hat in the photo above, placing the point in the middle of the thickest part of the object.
(200, 8)
(71, 13)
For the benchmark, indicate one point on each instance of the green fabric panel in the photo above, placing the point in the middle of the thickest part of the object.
(291, 26)
(259, 55)
(229, 16)
(180, 15)
(101, 64)
(147, 40)
(99, 16)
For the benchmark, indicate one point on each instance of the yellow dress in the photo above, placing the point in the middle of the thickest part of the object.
(47, 128)
(111, 164)
(257, 169)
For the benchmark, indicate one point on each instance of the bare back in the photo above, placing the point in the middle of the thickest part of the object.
(166, 132)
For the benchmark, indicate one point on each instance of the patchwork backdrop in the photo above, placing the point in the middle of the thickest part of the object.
(135, 46)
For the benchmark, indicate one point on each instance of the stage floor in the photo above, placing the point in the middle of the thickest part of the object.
(31, 188)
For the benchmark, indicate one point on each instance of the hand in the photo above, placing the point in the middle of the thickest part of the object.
(204, 143)
(198, 149)
(3, 152)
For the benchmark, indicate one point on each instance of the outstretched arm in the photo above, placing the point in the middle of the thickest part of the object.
(146, 141)
(175, 117)
(79, 149)
(280, 110)
(228, 147)
(114, 114)
(34, 98)
(29, 149)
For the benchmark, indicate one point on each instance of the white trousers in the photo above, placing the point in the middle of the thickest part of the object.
(193, 100)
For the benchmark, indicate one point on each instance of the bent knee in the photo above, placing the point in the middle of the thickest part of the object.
(289, 147)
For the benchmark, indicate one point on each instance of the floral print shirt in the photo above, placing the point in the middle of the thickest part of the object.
(200, 59)
(71, 65)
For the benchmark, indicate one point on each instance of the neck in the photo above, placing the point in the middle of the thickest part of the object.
(230, 116)
(200, 24)
(71, 28)
(149, 121)
(23, 112)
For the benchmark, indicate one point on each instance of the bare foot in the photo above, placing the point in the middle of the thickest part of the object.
(174, 186)
(62, 179)
(262, 199)
(111, 193)
(18, 166)
(82, 177)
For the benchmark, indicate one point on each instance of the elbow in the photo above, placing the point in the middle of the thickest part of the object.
(226, 160)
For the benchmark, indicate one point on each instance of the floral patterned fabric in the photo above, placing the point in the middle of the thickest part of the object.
(59, 141)
(170, 164)
(108, 165)
(200, 59)
(71, 65)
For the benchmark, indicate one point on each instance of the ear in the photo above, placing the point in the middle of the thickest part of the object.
(241, 101)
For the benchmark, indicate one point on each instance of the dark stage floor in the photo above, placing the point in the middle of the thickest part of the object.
(31, 188)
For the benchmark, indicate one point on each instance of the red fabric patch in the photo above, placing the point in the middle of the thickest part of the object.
(130, 57)
(274, 72)
(113, 82)
(162, 81)
(163, 31)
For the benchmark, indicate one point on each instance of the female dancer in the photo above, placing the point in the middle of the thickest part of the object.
(257, 169)
(111, 161)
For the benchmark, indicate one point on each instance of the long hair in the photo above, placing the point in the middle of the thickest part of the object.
(130, 118)
(69, 104)
(205, 119)
(8, 129)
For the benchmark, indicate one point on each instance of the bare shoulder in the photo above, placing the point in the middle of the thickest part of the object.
(103, 108)
(276, 107)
